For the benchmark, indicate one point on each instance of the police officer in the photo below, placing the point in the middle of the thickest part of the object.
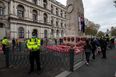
(33, 45)
(5, 48)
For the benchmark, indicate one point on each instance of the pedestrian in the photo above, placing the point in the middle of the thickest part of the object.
(112, 42)
(42, 41)
(55, 41)
(103, 43)
(93, 47)
(60, 41)
(33, 45)
(13, 44)
(5, 48)
(98, 49)
(87, 48)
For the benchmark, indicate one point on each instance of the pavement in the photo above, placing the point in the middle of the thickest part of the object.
(99, 67)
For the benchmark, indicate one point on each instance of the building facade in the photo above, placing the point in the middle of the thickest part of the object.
(19, 18)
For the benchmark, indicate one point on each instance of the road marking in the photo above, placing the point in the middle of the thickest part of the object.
(63, 74)
(66, 73)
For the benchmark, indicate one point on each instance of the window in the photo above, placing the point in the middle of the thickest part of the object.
(57, 32)
(20, 11)
(61, 25)
(62, 33)
(65, 25)
(61, 13)
(65, 14)
(57, 23)
(35, 1)
(35, 15)
(57, 11)
(1, 25)
(45, 18)
(45, 33)
(52, 8)
(45, 3)
(52, 21)
(21, 32)
(52, 32)
(36, 32)
(2, 7)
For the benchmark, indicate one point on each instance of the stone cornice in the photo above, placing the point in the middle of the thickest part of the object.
(28, 21)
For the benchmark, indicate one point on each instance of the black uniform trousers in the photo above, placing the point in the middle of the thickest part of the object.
(6, 53)
(34, 56)
(104, 52)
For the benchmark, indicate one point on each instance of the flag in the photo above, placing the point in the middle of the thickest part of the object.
(81, 24)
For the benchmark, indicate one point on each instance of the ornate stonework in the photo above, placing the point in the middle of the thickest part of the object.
(75, 10)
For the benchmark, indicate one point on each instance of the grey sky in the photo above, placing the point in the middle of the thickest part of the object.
(100, 12)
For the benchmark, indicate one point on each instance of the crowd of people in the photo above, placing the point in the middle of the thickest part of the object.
(97, 46)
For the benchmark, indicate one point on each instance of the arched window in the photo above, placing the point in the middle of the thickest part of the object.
(35, 31)
(65, 14)
(57, 23)
(21, 32)
(20, 11)
(45, 18)
(52, 21)
(45, 3)
(34, 1)
(2, 7)
(35, 15)
(52, 31)
(57, 32)
(61, 13)
(45, 33)
(61, 24)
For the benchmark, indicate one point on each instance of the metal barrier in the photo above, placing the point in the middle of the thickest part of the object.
(49, 59)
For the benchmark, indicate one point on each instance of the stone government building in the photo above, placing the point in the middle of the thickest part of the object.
(18, 18)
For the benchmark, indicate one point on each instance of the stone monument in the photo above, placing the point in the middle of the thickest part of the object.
(75, 11)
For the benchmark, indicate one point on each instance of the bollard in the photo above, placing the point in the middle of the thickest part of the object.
(71, 59)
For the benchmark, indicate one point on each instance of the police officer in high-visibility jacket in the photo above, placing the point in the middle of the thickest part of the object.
(5, 48)
(33, 45)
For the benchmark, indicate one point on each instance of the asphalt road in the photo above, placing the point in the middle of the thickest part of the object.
(99, 67)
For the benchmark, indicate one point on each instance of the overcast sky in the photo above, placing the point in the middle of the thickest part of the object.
(100, 12)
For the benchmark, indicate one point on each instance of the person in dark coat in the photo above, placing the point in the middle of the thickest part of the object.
(103, 43)
(93, 47)
(55, 41)
(87, 48)
(13, 44)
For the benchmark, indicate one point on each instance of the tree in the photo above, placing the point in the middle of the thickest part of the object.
(90, 31)
(100, 34)
(113, 31)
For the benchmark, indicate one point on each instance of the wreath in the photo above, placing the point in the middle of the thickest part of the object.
(64, 38)
(72, 39)
(68, 38)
